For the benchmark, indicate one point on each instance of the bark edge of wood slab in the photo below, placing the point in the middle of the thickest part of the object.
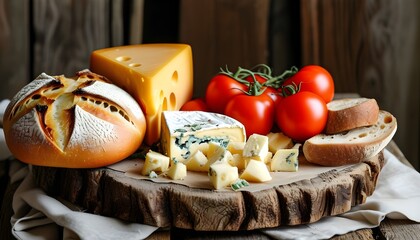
(110, 193)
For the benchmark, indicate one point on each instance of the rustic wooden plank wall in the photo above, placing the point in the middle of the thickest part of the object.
(14, 46)
(224, 33)
(372, 48)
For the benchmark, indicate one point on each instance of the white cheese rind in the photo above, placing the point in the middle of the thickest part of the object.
(184, 132)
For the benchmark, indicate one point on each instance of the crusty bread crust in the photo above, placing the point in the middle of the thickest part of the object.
(353, 146)
(80, 122)
(347, 114)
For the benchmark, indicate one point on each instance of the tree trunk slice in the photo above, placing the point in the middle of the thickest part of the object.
(108, 192)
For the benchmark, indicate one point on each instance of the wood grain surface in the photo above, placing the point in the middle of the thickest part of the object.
(224, 33)
(14, 46)
(371, 48)
(111, 193)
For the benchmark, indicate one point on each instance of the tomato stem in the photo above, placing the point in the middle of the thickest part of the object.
(255, 88)
(290, 89)
(277, 81)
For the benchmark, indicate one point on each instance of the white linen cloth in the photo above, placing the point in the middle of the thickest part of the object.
(397, 196)
(38, 216)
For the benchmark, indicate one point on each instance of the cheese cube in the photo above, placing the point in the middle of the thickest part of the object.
(214, 149)
(222, 175)
(155, 162)
(236, 147)
(177, 171)
(237, 161)
(217, 154)
(297, 145)
(197, 162)
(278, 141)
(256, 171)
(256, 147)
(158, 76)
(285, 160)
(184, 132)
(266, 160)
(268, 157)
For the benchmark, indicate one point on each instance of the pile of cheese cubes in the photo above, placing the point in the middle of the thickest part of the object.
(235, 165)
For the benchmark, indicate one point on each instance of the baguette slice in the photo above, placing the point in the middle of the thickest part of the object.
(353, 146)
(349, 113)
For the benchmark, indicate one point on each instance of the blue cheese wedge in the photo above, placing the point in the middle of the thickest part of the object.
(285, 160)
(184, 132)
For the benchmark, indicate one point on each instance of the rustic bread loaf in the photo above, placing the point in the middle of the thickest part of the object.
(352, 146)
(349, 113)
(80, 122)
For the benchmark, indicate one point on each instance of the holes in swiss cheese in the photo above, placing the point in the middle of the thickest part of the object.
(123, 58)
(165, 104)
(172, 100)
(175, 77)
(133, 65)
(163, 100)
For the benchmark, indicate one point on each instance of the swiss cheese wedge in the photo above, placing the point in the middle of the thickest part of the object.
(158, 76)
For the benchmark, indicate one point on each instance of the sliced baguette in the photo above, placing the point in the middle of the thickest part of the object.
(350, 113)
(353, 146)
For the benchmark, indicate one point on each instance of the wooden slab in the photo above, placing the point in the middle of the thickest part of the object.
(111, 193)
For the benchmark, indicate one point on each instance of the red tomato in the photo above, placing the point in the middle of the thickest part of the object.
(256, 113)
(197, 104)
(271, 92)
(314, 79)
(301, 115)
(220, 90)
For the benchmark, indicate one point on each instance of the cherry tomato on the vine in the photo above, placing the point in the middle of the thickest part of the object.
(256, 113)
(197, 104)
(270, 91)
(220, 90)
(314, 79)
(302, 115)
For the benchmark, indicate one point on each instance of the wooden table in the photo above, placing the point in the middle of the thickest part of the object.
(389, 228)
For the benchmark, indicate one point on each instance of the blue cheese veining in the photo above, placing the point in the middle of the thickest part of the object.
(184, 132)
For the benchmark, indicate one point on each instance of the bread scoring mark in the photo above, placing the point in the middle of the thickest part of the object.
(27, 100)
(54, 99)
(105, 104)
(82, 75)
